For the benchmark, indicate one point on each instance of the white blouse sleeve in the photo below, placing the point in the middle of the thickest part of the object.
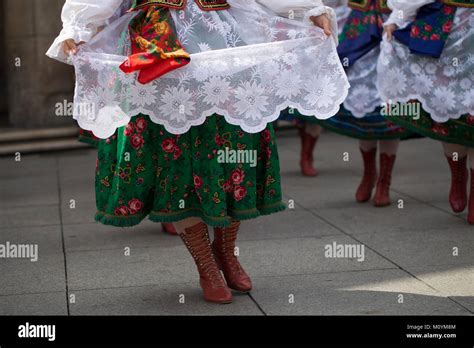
(342, 9)
(302, 9)
(81, 21)
(404, 11)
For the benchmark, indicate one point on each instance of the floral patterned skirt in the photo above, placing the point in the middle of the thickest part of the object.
(459, 131)
(145, 171)
(371, 127)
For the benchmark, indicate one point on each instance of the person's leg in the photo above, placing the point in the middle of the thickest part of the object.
(470, 215)
(457, 160)
(390, 147)
(195, 236)
(224, 247)
(169, 228)
(368, 149)
(313, 129)
(309, 134)
(388, 155)
(182, 225)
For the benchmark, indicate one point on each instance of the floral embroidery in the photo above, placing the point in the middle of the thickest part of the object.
(156, 182)
(360, 21)
(125, 174)
(440, 32)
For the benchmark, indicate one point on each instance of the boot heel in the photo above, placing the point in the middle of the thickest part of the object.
(196, 239)
(382, 193)
(224, 248)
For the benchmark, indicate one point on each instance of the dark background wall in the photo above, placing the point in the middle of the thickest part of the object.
(3, 78)
(35, 87)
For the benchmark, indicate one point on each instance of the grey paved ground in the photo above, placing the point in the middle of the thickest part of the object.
(409, 266)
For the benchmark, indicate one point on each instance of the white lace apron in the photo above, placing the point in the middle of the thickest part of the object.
(444, 86)
(247, 65)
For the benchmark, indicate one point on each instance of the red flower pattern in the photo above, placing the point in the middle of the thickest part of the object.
(239, 193)
(135, 205)
(237, 176)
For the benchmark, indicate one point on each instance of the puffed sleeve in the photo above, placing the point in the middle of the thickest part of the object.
(342, 9)
(404, 11)
(302, 9)
(81, 21)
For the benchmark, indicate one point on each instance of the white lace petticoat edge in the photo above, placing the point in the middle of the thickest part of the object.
(444, 86)
(248, 85)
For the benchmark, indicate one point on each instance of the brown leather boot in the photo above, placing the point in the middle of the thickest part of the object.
(382, 193)
(459, 177)
(308, 143)
(224, 250)
(364, 191)
(196, 239)
(470, 214)
(169, 228)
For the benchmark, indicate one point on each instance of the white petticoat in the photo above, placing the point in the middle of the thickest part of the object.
(246, 65)
(444, 86)
(363, 97)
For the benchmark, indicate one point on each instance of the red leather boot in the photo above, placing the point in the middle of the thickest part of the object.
(364, 192)
(224, 250)
(196, 239)
(169, 228)
(470, 214)
(382, 193)
(459, 177)
(308, 143)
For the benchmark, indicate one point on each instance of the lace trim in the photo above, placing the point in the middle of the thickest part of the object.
(444, 86)
(247, 76)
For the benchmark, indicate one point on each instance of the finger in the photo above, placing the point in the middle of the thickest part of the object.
(66, 47)
(327, 28)
(73, 47)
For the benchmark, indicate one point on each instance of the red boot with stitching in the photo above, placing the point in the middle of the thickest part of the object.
(224, 250)
(196, 239)
(364, 192)
(470, 214)
(308, 143)
(382, 193)
(459, 177)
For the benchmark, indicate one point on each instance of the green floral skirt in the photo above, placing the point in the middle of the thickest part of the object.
(374, 126)
(460, 131)
(145, 171)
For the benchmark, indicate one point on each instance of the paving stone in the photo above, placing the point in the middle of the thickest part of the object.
(38, 215)
(29, 191)
(144, 266)
(173, 264)
(351, 293)
(303, 256)
(95, 236)
(364, 218)
(284, 253)
(29, 166)
(53, 303)
(21, 276)
(157, 300)
(47, 238)
(287, 224)
(450, 280)
(433, 247)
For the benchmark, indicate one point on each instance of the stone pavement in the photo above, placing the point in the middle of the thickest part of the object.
(409, 266)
